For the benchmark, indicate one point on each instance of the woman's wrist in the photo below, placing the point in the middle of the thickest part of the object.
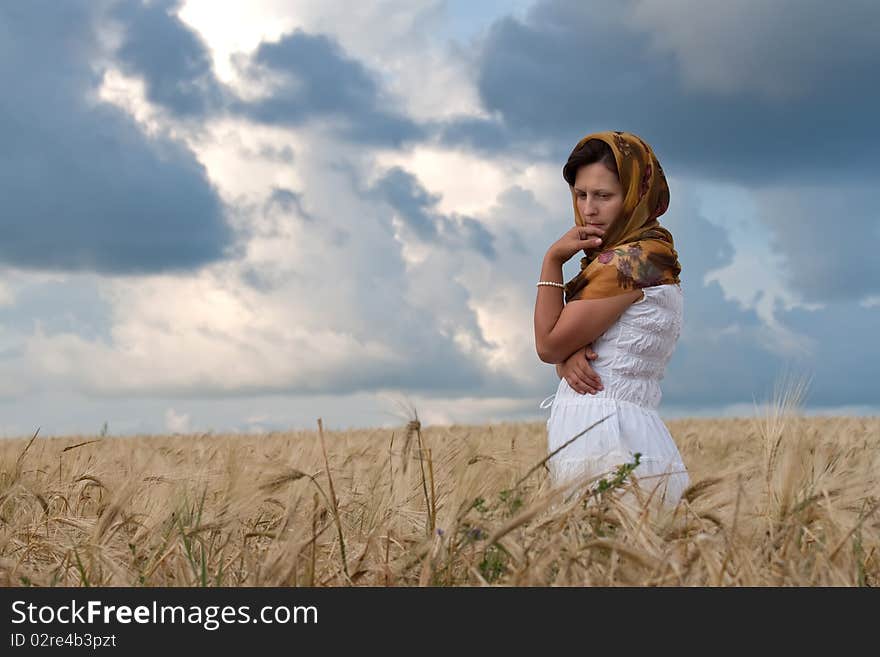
(552, 257)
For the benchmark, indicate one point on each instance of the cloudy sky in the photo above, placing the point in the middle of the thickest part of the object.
(242, 216)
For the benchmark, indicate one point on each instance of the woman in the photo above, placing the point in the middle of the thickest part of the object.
(626, 303)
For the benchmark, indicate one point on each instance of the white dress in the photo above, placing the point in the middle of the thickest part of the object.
(632, 358)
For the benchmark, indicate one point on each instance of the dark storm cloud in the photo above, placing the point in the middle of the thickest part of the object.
(828, 236)
(474, 234)
(486, 136)
(572, 68)
(730, 347)
(83, 188)
(287, 201)
(402, 191)
(720, 342)
(313, 79)
(847, 360)
(417, 208)
(171, 58)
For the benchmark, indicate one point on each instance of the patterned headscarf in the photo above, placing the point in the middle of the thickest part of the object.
(636, 252)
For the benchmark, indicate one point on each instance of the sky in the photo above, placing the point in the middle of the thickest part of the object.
(244, 216)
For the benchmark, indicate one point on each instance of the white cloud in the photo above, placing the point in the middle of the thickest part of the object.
(468, 410)
(466, 183)
(326, 301)
(7, 294)
(129, 94)
(176, 422)
(242, 158)
(239, 27)
(754, 279)
(201, 334)
(282, 247)
(750, 281)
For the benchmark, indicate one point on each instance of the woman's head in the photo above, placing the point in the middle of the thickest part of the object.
(617, 182)
(591, 172)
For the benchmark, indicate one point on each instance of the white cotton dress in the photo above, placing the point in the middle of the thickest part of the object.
(632, 357)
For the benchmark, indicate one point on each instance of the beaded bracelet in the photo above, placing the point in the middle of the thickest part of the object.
(549, 283)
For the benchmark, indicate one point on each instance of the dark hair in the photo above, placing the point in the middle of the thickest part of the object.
(593, 150)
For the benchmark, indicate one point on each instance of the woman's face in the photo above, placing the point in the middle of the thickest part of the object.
(598, 194)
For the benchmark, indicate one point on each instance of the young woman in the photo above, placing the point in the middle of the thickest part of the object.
(624, 308)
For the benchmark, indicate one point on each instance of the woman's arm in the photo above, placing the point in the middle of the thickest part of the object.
(560, 330)
(580, 323)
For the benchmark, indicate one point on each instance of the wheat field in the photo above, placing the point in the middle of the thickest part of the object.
(778, 500)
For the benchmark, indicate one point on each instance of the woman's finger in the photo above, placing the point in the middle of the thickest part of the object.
(587, 371)
(588, 234)
(577, 385)
(589, 231)
(590, 378)
(586, 386)
(591, 241)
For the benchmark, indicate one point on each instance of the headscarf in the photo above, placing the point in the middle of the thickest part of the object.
(636, 252)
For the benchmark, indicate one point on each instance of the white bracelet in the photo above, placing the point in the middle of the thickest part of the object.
(549, 283)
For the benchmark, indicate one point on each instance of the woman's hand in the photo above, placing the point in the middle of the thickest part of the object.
(579, 373)
(576, 239)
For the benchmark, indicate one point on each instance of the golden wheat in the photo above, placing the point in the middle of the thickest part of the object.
(782, 500)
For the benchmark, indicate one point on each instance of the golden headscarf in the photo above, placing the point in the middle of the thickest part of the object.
(636, 252)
